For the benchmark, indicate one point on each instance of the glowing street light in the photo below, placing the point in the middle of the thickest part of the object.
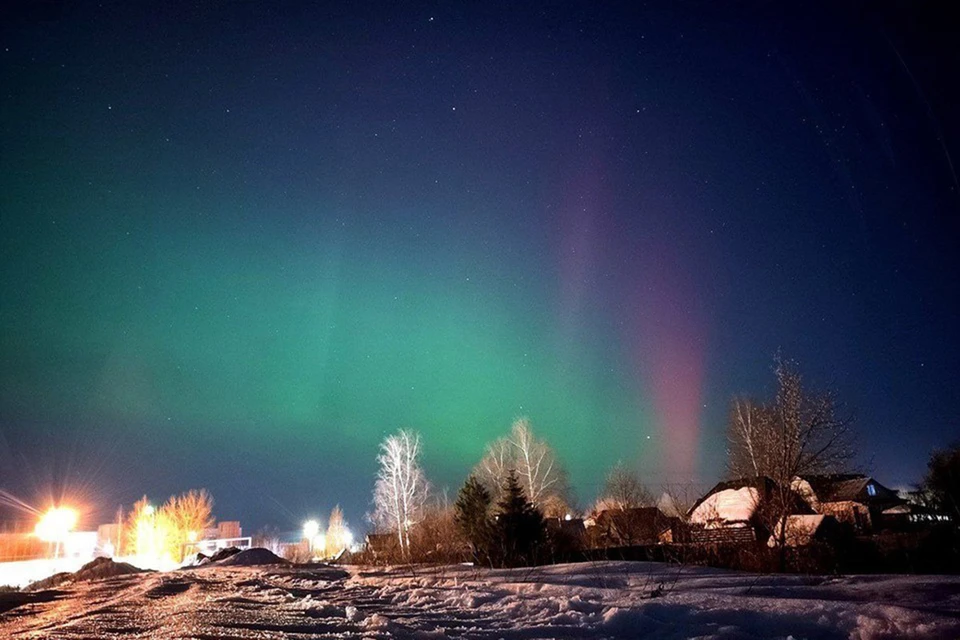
(310, 529)
(55, 525)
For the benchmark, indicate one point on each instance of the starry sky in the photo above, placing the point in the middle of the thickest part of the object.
(240, 244)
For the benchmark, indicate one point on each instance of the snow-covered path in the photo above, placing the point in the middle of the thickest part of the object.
(600, 600)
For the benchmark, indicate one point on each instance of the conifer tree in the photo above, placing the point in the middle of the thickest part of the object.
(472, 515)
(520, 528)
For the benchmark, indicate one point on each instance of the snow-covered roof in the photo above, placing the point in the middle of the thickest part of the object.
(848, 488)
(726, 506)
(801, 530)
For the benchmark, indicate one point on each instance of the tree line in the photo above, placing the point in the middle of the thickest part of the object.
(500, 513)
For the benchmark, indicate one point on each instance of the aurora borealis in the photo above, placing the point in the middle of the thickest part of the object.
(240, 244)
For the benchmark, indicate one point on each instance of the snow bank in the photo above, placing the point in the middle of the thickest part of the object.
(21, 573)
(589, 600)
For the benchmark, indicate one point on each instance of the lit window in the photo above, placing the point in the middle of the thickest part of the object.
(871, 490)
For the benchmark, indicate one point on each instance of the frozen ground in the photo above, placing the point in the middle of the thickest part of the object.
(599, 600)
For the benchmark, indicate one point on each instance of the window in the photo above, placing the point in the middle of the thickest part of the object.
(871, 489)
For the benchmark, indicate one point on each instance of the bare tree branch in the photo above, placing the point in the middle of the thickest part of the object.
(402, 489)
(542, 477)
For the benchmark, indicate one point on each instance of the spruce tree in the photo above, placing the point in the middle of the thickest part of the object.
(520, 529)
(472, 515)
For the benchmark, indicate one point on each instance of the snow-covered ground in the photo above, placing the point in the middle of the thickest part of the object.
(20, 574)
(598, 600)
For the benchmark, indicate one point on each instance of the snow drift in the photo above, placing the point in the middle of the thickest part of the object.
(590, 600)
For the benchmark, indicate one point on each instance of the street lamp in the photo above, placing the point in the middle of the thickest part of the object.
(311, 528)
(55, 525)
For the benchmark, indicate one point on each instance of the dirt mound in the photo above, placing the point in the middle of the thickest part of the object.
(250, 557)
(221, 554)
(97, 569)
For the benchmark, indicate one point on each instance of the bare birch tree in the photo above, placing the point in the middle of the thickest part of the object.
(495, 465)
(622, 490)
(750, 451)
(799, 434)
(188, 515)
(402, 489)
(337, 538)
(540, 473)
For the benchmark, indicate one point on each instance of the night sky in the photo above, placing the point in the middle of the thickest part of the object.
(242, 244)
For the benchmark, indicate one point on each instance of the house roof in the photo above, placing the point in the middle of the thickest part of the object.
(573, 525)
(849, 487)
(728, 506)
(801, 529)
(764, 485)
(640, 525)
(637, 516)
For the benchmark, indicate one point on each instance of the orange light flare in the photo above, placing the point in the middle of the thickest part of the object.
(56, 524)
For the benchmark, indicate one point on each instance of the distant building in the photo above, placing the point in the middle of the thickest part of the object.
(854, 499)
(298, 551)
(227, 533)
(569, 525)
(21, 546)
(640, 526)
(229, 529)
(802, 530)
(738, 511)
(909, 516)
(383, 544)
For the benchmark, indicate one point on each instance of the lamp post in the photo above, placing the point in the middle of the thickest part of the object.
(55, 525)
(310, 530)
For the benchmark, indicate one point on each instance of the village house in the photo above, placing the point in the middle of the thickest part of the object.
(853, 499)
(738, 511)
(639, 526)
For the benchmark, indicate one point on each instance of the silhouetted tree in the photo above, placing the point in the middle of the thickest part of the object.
(520, 529)
(943, 480)
(623, 489)
(798, 434)
(472, 515)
